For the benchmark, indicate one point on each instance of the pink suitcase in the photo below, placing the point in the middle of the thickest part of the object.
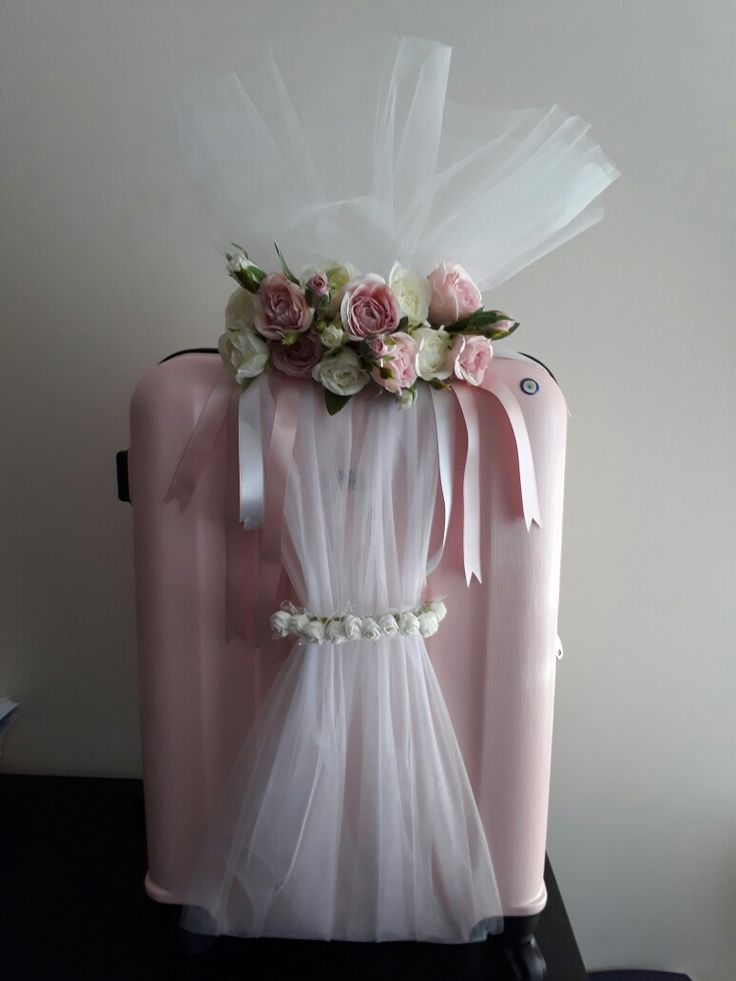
(201, 688)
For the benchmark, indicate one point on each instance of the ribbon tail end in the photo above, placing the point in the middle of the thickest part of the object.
(181, 498)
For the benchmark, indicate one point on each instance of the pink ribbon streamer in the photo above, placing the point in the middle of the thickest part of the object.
(469, 408)
(527, 473)
(277, 463)
(202, 441)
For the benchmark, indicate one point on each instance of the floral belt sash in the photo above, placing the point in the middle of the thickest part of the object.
(310, 628)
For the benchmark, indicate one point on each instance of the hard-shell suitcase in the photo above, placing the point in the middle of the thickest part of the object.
(201, 682)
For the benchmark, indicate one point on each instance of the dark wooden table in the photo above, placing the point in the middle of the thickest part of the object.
(72, 906)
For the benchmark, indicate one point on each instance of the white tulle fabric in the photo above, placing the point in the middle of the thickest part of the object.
(362, 159)
(350, 814)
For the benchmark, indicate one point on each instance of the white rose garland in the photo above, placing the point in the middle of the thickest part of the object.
(309, 628)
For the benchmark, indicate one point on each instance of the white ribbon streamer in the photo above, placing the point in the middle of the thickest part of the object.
(250, 460)
(250, 456)
(443, 415)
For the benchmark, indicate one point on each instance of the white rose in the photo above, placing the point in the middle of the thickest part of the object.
(299, 622)
(432, 349)
(239, 311)
(370, 629)
(313, 631)
(388, 625)
(281, 623)
(244, 352)
(428, 623)
(352, 627)
(438, 608)
(412, 293)
(334, 632)
(332, 336)
(341, 373)
(408, 624)
(406, 397)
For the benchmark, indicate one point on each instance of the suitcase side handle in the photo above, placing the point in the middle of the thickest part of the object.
(121, 466)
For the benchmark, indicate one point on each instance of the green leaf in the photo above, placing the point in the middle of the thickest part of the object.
(287, 272)
(403, 323)
(483, 318)
(334, 402)
(480, 319)
(235, 244)
(247, 281)
(463, 322)
(250, 279)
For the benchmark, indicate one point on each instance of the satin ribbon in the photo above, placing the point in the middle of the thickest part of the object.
(278, 458)
(250, 456)
(470, 411)
(262, 499)
(471, 482)
(525, 459)
(201, 443)
(445, 426)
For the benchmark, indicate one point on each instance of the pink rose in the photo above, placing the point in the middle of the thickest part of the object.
(399, 363)
(368, 308)
(470, 355)
(318, 285)
(280, 308)
(299, 358)
(454, 294)
(378, 346)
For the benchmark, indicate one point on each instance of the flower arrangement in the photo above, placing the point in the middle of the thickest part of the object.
(348, 330)
(423, 621)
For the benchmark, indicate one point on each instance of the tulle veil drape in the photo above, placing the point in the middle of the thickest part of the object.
(349, 814)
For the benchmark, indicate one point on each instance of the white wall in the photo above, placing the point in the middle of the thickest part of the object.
(105, 268)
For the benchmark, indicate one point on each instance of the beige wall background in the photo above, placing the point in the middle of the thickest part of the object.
(105, 268)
